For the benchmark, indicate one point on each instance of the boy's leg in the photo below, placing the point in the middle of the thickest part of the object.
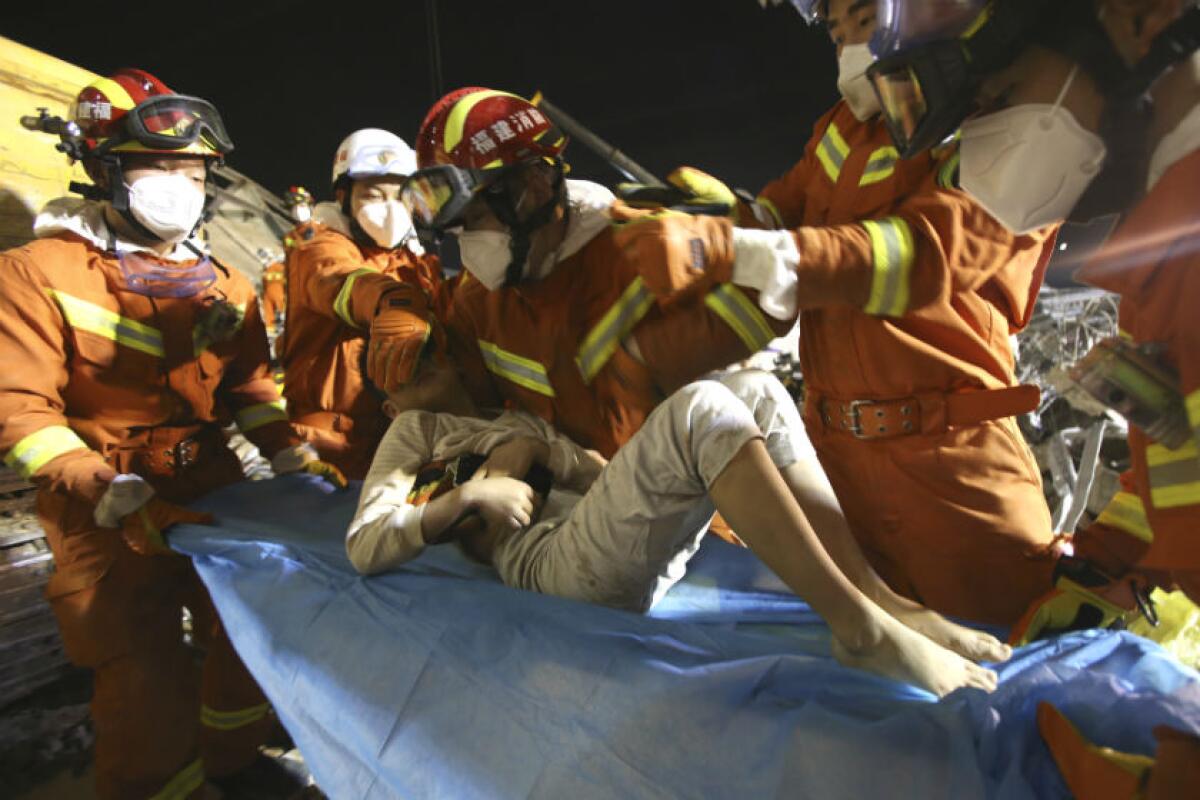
(626, 542)
(791, 452)
(751, 494)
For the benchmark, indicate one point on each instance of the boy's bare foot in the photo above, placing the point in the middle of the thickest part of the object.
(972, 644)
(888, 648)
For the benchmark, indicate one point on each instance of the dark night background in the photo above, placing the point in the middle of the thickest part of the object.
(721, 84)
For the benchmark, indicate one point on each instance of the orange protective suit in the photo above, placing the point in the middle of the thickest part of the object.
(908, 293)
(1152, 263)
(553, 347)
(100, 381)
(334, 287)
(274, 297)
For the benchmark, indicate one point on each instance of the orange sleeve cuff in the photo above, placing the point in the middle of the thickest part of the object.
(836, 266)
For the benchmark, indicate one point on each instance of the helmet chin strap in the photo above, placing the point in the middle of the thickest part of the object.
(504, 206)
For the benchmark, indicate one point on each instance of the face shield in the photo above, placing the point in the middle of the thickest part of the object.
(176, 123)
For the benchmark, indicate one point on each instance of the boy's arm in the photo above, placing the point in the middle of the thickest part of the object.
(387, 530)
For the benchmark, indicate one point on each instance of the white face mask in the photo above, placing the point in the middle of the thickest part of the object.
(853, 82)
(1028, 165)
(168, 204)
(387, 222)
(302, 213)
(486, 255)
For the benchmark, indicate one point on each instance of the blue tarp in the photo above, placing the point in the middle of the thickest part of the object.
(438, 681)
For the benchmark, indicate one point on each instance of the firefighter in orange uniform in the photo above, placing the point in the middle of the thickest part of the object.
(554, 319)
(1064, 74)
(359, 304)
(908, 292)
(125, 348)
(274, 295)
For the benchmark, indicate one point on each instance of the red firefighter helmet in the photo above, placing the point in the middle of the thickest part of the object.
(132, 111)
(484, 129)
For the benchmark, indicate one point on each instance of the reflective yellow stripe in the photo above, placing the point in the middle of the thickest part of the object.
(832, 152)
(1174, 475)
(739, 312)
(186, 781)
(1192, 401)
(1126, 512)
(41, 447)
(948, 173)
(521, 371)
(892, 252)
(341, 303)
(202, 334)
(85, 316)
(880, 166)
(457, 118)
(231, 720)
(115, 92)
(771, 207)
(614, 326)
(256, 416)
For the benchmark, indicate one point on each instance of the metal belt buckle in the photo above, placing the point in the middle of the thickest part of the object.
(855, 417)
(184, 453)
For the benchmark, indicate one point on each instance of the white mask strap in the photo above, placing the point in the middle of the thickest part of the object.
(1066, 86)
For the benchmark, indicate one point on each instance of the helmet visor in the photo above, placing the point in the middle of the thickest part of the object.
(436, 197)
(178, 122)
(924, 94)
(902, 24)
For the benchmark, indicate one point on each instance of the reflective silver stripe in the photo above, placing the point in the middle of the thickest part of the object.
(1174, 475)
(614, 326)
(739, 312)
(892, 252)
(85, 316)
(518, 369)
(832, 152)
(41, 447)
(880, 166)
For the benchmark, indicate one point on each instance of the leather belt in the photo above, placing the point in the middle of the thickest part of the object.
(164, 450)
(926, 412)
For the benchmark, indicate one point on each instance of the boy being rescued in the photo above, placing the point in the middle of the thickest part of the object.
(620, 533)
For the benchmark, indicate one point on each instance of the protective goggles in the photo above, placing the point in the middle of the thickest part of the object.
(437, 197)
(177, 122)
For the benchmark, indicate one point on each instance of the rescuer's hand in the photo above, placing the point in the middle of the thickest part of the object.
(304, 458)
(399, 332)
(678, 255)
(143, 529)
(702, 188)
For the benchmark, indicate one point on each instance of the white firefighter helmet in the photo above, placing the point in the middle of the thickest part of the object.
(372, 152)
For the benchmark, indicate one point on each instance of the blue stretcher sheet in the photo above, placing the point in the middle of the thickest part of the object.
(438, 681)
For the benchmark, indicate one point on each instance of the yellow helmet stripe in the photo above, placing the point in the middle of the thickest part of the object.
(115, 93)
(457, 119)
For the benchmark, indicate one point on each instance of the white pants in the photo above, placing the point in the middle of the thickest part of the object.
(629, 538)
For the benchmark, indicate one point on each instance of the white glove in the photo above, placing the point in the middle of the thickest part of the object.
(766, 261)
(126, 494)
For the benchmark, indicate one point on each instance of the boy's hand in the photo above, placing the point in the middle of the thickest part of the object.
(504, 503)
(514, 458)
